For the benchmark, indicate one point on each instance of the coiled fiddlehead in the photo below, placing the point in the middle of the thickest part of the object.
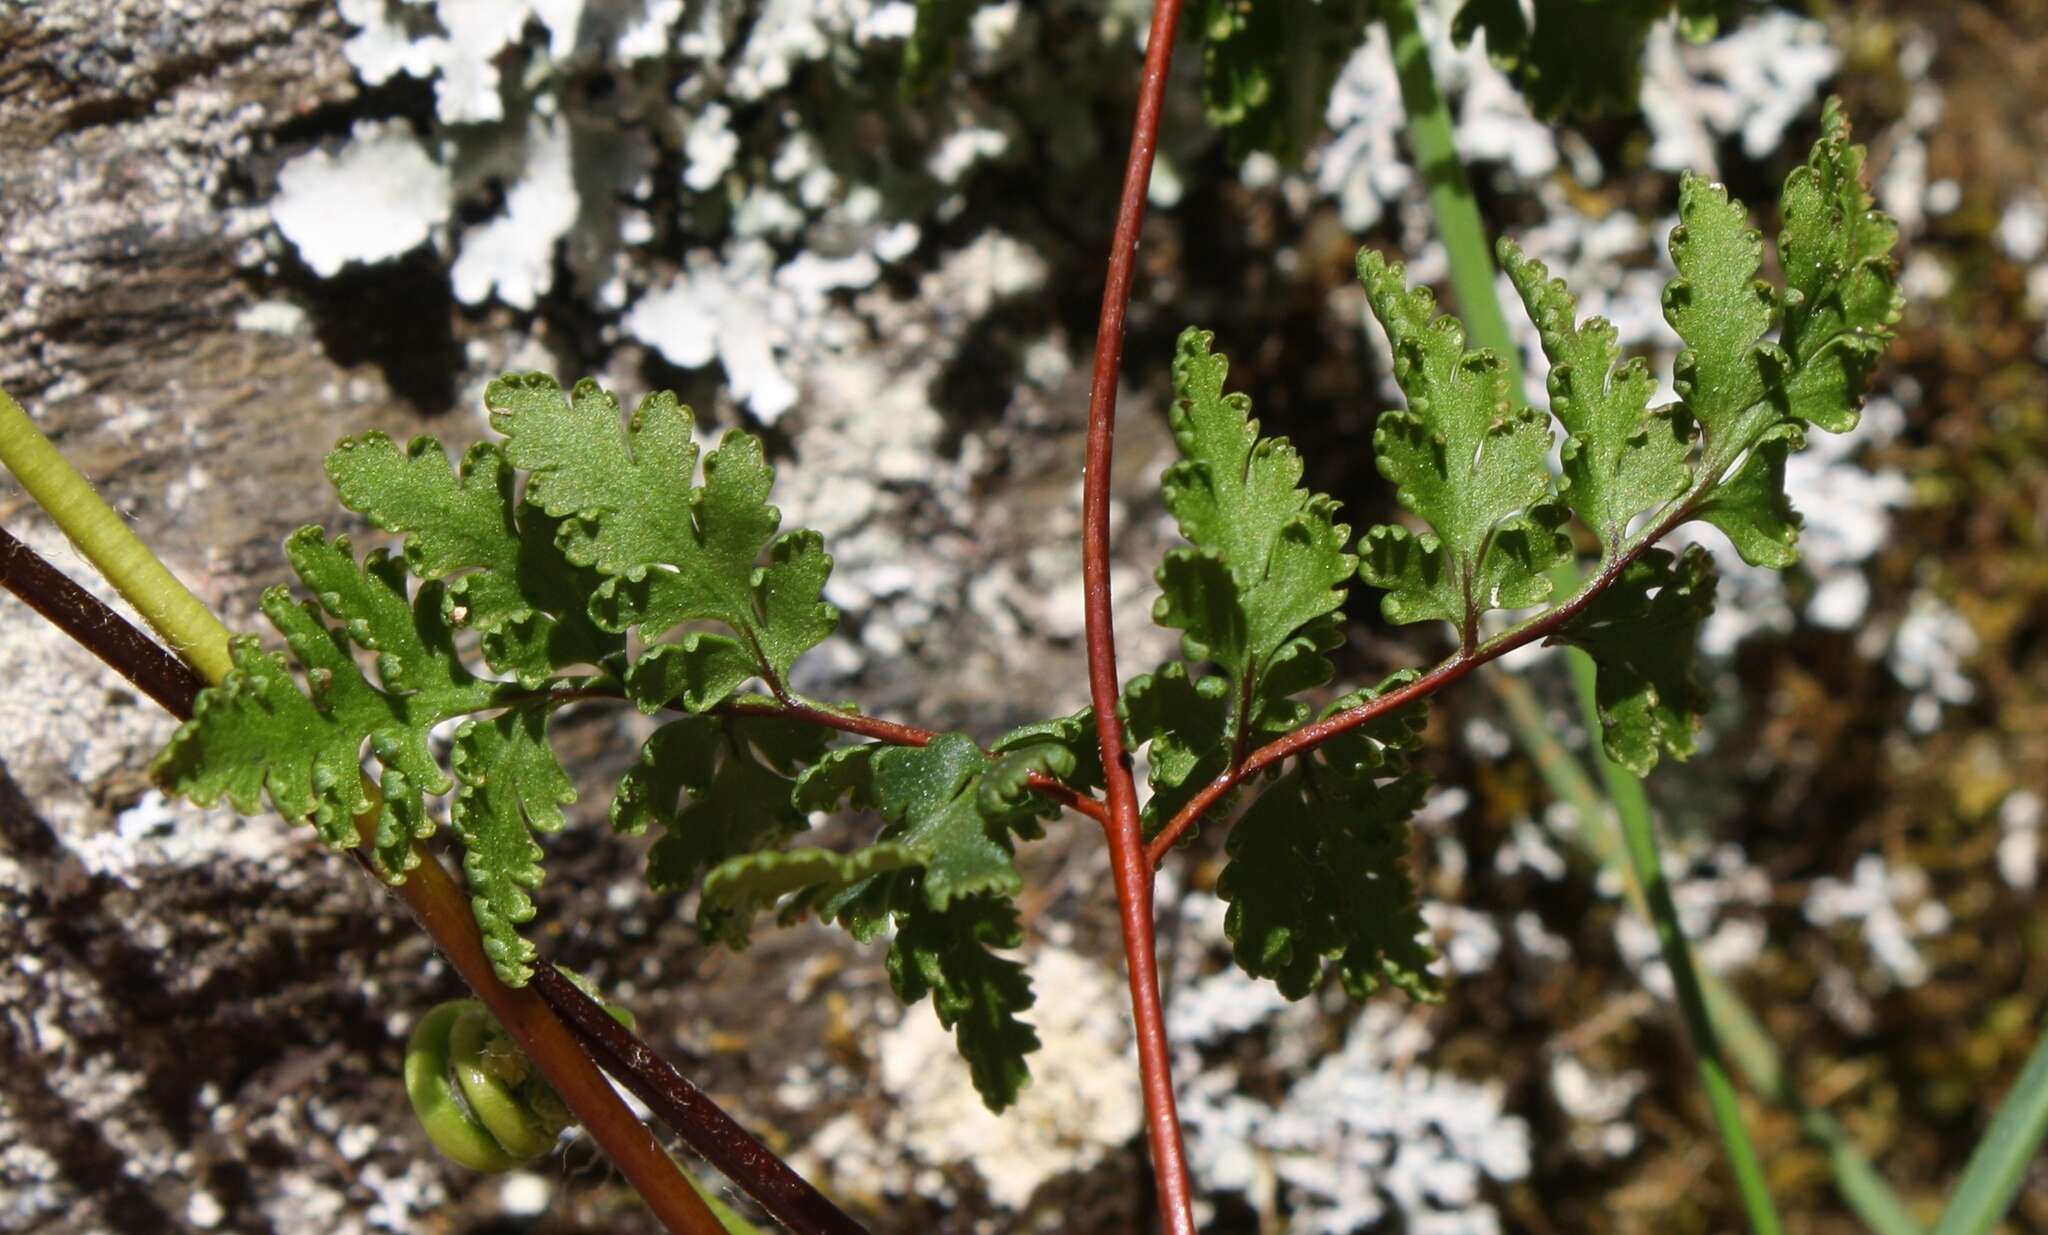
(477, 1095)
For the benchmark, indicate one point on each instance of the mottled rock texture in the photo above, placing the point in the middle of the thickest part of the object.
(171, 1016)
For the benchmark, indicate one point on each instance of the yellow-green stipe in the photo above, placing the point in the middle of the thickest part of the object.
(105, 539)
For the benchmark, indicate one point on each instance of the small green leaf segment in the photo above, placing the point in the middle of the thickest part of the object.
(1620, 459)
(508, 582)
(613, 531)
(1317, 863)
(668, 552)
(1267, 68)
(1467, 458)
(941, 871)
(259, 731)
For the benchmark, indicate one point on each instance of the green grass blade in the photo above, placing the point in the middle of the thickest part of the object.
(1639, 838)
(1434, 141)
(104, 537)
(2001, 1159)
(1744, 1041)
(727, 1216)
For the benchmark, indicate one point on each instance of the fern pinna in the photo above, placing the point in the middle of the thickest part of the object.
(613, 532)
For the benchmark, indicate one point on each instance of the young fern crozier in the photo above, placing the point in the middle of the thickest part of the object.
(477, 1096)
(613, 532)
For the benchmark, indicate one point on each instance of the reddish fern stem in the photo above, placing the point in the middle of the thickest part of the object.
(897, 734)
(892, 732)
(1450, 670)
(1069, 797)
(1130, 865)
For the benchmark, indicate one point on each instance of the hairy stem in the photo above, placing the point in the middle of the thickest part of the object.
(169, 607)
(1639, 835)
(1132, 871)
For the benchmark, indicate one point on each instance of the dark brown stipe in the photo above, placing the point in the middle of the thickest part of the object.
(98, 628)
(699, 1121)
